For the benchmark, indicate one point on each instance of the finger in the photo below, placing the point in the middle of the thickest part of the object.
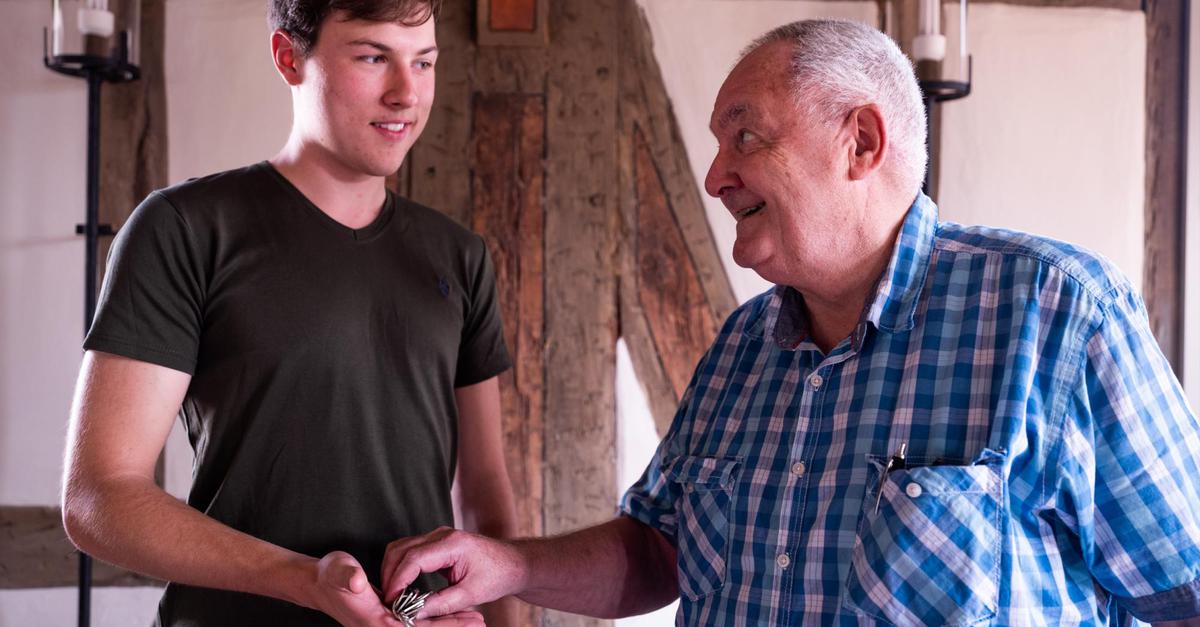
(447, 601)
(397, 549)
(423, 559)
(457, 619)
(394, 553)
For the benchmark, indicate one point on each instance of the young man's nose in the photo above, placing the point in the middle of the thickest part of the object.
(402, 92)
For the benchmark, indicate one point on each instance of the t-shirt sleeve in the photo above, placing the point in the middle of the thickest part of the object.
(150, 307)
(1130, 469)
(482, 353)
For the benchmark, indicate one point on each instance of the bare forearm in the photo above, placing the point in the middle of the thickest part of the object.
(132, 523)
(492, 514)
(620, 568)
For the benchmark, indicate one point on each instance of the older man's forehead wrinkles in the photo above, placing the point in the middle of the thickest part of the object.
(732, 114)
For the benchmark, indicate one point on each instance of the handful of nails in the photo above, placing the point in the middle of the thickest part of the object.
(406, 606)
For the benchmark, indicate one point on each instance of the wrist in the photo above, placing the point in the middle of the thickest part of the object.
(524, 559)
(294, 580)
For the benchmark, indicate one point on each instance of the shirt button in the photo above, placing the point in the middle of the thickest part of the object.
(783, 560)
(816, 381)
(913, 490)
(798, 469)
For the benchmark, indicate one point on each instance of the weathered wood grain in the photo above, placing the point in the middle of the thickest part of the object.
(508, 189)
(1166, 124)
(35, 553)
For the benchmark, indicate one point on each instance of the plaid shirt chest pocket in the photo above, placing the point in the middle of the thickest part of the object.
(930, 553)
(705, 493)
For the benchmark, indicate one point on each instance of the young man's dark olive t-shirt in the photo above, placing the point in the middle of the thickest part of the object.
(323, 360)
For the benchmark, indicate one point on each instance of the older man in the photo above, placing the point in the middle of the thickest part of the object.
(922, 424)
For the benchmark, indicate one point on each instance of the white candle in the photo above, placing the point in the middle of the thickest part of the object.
(94, 20)
(930, 43)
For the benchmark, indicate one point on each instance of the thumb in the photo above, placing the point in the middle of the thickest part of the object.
(352, 578)
(340, 570)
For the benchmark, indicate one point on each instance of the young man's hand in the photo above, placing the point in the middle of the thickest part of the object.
(479, 569)
(343, 592)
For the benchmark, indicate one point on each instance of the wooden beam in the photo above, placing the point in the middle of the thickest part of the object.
(681, 321)
(133, 124)
(581, 270)
(647, 127)
(508, 188)
(1166, 172)
(35, 553)
(439, 175)
(448, 167)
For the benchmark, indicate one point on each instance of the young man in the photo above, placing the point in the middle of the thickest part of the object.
(332, 349)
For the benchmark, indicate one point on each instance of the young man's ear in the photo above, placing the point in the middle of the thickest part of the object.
(287, 57)
(868, 141)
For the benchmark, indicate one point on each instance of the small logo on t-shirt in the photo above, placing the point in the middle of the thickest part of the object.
(444, 287)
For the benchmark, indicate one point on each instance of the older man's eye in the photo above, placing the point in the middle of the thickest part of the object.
(744, 136)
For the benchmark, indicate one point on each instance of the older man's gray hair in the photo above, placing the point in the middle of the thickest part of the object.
(838, 65)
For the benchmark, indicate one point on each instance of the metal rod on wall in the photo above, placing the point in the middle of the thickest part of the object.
(94, 32)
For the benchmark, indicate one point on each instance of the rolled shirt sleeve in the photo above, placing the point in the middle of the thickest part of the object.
(1130, 482)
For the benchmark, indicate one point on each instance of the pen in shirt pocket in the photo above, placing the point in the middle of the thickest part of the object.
(895, 462)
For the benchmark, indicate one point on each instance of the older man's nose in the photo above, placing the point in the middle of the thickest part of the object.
(720, 180)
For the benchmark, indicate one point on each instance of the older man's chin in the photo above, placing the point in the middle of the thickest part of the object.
(758, 260)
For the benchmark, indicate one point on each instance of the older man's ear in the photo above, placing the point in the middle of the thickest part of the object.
(868, 141)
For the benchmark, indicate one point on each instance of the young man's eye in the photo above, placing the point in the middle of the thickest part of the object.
(373, 58)
(424, 64)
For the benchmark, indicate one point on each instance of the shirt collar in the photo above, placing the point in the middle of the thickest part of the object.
(897, 292)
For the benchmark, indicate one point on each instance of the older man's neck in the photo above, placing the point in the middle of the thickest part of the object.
(835, 311)
(830, 322)
(835, 301)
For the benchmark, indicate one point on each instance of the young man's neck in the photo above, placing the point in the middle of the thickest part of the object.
(354, 199)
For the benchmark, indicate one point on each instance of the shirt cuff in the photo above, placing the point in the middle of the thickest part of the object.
(1174, 604)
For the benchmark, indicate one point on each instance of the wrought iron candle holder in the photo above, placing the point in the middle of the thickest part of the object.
(89, 47)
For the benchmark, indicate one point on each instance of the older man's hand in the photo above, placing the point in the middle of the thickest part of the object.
(480, 569)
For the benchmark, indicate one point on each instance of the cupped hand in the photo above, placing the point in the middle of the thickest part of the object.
(480, 569)
(343, 592)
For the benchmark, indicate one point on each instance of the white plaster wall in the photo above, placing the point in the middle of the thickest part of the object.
(227, 105)
(43, 123)
(1052, 138)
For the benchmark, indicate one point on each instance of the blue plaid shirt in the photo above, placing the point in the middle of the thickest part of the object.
(1051, 468)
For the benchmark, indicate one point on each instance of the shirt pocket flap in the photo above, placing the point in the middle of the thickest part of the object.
(702, 472)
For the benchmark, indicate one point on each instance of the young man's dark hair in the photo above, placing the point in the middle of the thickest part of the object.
(302, 19)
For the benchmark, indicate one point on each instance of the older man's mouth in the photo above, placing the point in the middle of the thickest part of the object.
(751, 210)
